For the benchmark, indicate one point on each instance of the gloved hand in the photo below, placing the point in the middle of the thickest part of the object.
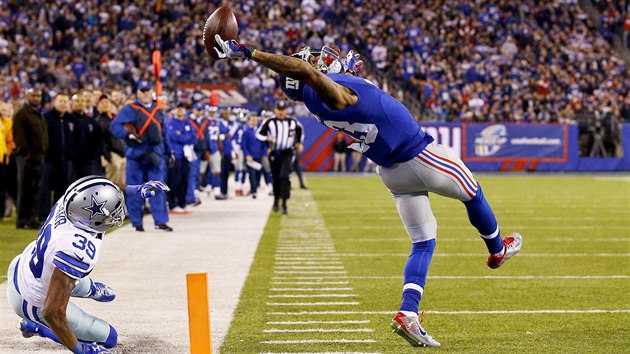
(353, 64)
(146, 190)
(232, 49)
(133, 139)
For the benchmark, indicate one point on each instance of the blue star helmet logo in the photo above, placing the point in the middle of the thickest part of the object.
(96, 208)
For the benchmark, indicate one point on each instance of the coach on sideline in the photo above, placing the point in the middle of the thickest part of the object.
(283, 135)
(141, 125)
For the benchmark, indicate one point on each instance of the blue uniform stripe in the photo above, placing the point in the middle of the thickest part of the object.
(451, 168)
(71, 260)
(35, 316)
(25, 310)
(15, 276)
(68, 270)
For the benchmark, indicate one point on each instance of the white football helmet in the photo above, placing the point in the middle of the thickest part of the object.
(94, 204)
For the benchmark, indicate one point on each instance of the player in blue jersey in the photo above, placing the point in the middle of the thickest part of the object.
(213, 175)
(56, 266)
(410, 163)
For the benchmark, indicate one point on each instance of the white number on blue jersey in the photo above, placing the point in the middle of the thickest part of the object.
(365, 133)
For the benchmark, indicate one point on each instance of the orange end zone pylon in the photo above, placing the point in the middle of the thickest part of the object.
(198, 313)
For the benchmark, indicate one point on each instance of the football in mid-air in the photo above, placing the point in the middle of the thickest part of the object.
(223, 22)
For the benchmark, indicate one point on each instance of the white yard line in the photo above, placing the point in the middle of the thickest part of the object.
(319, 330)
(299, 323)
(308, 263)
(501, 277)
(489, 312)
(310, 278)
(322, 303)
(308, 267)
(321, 353)
(307, 296)
(310, 282)
(479, 254)
(314, 341)
(311, 289)
(309, 272)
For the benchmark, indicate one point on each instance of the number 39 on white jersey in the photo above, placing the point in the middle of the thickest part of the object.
(59, 245)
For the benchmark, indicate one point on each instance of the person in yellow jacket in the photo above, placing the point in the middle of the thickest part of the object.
(6, 147)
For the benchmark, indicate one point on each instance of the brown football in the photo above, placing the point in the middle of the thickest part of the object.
(223, 22)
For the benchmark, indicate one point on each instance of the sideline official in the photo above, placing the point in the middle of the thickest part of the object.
(141, 125)
(283, 136)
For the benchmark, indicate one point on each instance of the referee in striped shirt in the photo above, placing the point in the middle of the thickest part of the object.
(284, 137)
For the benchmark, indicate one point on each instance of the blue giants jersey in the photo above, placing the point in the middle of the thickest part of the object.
(385, 129)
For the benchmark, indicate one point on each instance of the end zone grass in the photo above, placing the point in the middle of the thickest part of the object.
(575, 256)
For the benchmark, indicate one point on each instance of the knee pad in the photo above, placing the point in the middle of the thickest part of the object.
(424, 232)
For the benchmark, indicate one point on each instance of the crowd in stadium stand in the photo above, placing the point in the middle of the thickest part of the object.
(486, 60)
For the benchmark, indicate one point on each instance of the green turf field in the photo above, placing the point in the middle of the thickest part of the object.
(328, 277)
(12, 243)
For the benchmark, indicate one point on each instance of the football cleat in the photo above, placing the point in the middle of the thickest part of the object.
(512, 245)
(101, 292)
(409, 327)
(28, 328)
(164, 227)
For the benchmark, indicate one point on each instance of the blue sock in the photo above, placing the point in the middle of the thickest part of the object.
(237, 176)
(243, 176)
(44, 331)
(416, 274)
(216, 181)
(482, 218)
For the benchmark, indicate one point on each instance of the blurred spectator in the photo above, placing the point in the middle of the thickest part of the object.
(90, 137)
(141, 125)
(182, 137)
(30, 132)
(6, 148)
(114, 154)
(59, 165)
(340, 148)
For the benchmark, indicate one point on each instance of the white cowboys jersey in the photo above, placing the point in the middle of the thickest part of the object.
(59, 245)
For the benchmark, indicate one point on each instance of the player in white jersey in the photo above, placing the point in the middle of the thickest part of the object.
(56, 266)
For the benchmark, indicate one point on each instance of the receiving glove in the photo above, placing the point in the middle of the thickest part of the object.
(147, 189)
(233, 49)
(353, 64)
(133, 139)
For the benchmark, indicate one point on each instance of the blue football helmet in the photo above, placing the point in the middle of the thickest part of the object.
(327, 62)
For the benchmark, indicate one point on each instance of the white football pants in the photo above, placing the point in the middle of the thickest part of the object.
(85, 327)
(437, 170)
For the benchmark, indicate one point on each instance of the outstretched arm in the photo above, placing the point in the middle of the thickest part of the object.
(334, 95)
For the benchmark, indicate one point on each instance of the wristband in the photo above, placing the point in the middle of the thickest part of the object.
(132, 191)
(78, 349)
(253, 56)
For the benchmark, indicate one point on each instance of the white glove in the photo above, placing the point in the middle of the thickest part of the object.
(232, 49)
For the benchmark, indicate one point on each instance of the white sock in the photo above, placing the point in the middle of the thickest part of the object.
(409, 313)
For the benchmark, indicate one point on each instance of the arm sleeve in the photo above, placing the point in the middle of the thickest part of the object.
(168, 150)
(68, 263)
(19, 132)
(246, 142)
(299, 132)
(263, 130)
(126, 115)
(191, 136)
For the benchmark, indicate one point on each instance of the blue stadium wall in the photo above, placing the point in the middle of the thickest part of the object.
(487, 147)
